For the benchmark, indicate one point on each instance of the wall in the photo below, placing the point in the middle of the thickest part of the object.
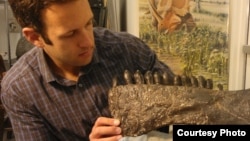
(239, 18)
(8, 36)
(132, 20)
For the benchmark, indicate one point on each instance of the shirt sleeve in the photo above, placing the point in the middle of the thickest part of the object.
(25, 120)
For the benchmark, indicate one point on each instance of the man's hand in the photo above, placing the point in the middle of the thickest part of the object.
(106, 129)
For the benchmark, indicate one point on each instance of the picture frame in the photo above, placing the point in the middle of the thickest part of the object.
(200, 51)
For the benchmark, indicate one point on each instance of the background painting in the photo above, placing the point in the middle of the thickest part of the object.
(190, 46)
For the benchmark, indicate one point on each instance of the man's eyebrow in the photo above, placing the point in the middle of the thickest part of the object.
(71, 30)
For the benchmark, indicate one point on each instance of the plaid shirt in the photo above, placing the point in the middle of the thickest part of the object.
(45, 107)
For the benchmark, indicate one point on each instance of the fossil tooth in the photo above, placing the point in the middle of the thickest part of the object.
(157, 78)
(209, 84)
(201, 82)
(128, 77)
(194, 81)
(148, 77)
(177, 80)
(138, 77)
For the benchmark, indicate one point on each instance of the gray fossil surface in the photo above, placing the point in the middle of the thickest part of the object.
(145, 107)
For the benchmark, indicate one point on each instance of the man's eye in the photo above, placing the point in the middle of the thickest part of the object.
(70, 34)
(90, 23)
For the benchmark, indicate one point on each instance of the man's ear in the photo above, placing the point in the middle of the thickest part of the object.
(32, 36)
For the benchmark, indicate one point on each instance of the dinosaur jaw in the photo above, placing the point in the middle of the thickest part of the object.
(142, 108)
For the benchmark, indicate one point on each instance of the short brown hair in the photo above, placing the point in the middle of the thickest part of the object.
(28, 14)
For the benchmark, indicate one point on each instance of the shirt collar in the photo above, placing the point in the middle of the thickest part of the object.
(44, 67)
(48, 74)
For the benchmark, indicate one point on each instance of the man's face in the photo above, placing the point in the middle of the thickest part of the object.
(70, 29)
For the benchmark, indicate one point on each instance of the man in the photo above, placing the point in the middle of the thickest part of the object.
(58, 90)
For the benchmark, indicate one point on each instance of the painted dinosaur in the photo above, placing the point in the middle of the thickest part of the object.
(171, 15)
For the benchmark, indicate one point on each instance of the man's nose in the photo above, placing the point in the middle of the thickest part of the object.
(85, 38)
